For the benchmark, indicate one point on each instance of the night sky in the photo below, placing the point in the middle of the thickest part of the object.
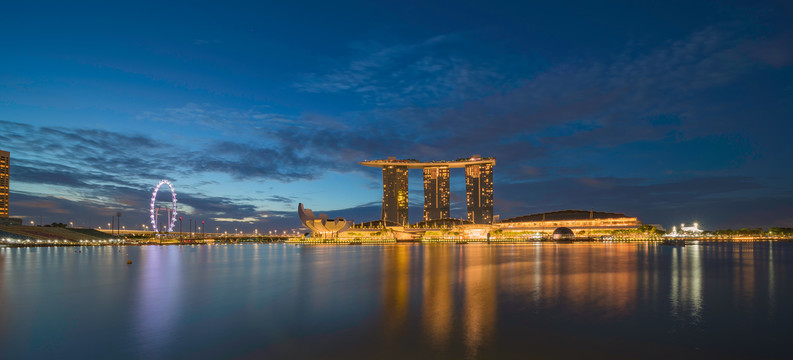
(672, 111)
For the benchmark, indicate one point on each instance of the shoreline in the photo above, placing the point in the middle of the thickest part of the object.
(337, 242)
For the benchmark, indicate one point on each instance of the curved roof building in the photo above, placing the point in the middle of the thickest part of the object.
(566, 215)
(577, 220)
(322, 224)
(563, 233)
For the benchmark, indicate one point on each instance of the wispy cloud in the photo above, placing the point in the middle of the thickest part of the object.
(419, 74)
(97, 170)
(209, 116)
(94, 154)
(616, 99)
(637, 95)
(281, 199)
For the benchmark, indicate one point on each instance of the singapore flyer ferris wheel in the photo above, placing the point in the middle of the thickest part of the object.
(153, 209)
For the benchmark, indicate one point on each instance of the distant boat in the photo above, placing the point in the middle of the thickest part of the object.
(128, 260)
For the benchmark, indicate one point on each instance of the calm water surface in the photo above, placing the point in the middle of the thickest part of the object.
(401, 301)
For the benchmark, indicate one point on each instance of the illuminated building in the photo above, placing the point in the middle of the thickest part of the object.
(686, 230)
(563, 233)
(479, 192)
(436, 192)
(5, 165)
(582, 224)
(579, 221)
(395, 194)
(436, 187)
(322, 226)
(481, 224)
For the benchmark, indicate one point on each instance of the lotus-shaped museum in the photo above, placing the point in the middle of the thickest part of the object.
(321, 225)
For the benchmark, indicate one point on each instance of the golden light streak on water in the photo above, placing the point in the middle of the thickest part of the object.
(437, 300)
(479, 303)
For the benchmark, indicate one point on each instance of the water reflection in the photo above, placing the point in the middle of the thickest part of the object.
(771, 283)
(438, 297)
(440, 301)
(396, 274)
(744, 273)
(462, 287)
(686, 283)
(479, 305)
(159, 296)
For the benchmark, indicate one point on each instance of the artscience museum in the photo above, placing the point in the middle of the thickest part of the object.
(322, 226)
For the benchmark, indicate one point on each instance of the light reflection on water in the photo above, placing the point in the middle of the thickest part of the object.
(440, 301)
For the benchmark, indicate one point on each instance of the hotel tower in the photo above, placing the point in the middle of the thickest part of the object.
(5, 165)
(478, 187)
(479, 192)
(395, 194)
(436, 192)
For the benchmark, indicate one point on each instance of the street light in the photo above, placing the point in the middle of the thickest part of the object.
(71, 224)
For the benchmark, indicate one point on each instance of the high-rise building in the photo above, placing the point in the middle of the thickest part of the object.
(5, 171)
(395, 194)
(436, 192)
(478, 185)
(479, 192)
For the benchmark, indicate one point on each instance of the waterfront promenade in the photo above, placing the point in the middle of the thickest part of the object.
(30, 236)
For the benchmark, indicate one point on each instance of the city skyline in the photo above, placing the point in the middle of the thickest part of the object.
(673, 112)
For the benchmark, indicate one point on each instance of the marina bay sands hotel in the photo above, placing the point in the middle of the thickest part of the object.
(478, 188)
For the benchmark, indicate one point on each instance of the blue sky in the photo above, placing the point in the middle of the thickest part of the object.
(672, 112)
